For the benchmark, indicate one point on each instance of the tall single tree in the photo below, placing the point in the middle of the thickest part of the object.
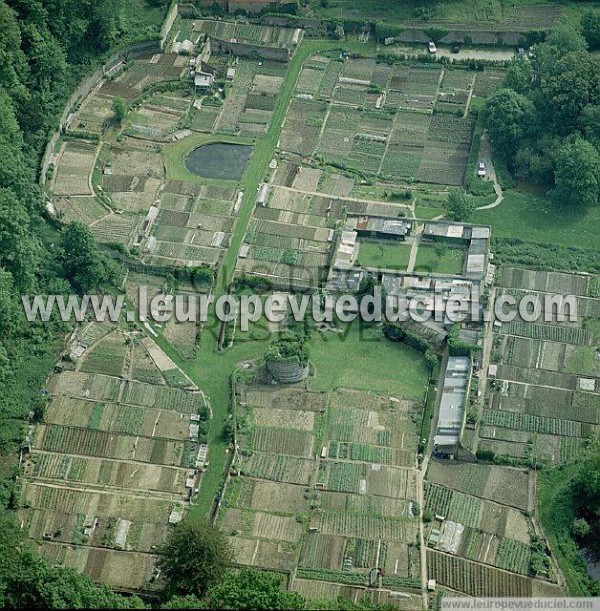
(508, 115)
(85, 265)
(195, 557)
(460, 206)
(577, 174)
(119, 110)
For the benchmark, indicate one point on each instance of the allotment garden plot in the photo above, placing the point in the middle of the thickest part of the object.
(325, 487)
(481, 539)
(380, 119)
(136, 191)
(115, 458)
(544, 397)
(251, 98)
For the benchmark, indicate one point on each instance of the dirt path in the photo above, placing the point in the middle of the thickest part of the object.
(485, 54)
(485, 155)
(488, 344)
(422, 472)
(414, 249)
(350, 199)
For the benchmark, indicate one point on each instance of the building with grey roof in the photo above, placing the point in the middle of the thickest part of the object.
(383, 227)
(452, 402)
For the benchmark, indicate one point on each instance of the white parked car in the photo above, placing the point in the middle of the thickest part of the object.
(481, 169)
(431, 47)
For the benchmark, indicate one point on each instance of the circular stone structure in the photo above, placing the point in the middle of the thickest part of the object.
(219, 160)
(287, 372)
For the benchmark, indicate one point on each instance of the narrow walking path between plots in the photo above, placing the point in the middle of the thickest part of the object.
(485, 155)
(414, 249)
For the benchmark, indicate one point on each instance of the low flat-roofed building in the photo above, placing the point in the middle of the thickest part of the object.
(263, 194)
(443, 285)
(475, 264)
(349, 237)
(392, 284)
(451, 232)
(217, 239)
(244, 249)
(383, 228)
(344, 281)
(203, 80)
(480, 233)
(452, 402)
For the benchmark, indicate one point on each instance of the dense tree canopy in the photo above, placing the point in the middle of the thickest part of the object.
(577, 173)
(460, 206)
(585, 495)
(85, 266)
(195, 557)
(509, 116)
(250, 589)
(545, 121)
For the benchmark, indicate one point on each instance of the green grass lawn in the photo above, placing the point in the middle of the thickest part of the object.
(536, 218)
(361, 358)
(429, 212)
(388, 254)
(451, 262)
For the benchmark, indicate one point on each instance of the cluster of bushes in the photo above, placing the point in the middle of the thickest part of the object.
(291, 347)
(252, 283)
(413, 335)
(458, 347)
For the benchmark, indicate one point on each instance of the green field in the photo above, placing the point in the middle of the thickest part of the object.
(536, 218)
(429, 212)
(359, 358)
(383, 254)
(450, 262)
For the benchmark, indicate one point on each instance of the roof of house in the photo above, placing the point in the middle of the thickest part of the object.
(344, 280)
(203, 79)
(475, 264)
(444, 230)
(480, 233)
(385, 226)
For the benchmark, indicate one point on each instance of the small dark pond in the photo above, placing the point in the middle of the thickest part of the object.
(219, 160)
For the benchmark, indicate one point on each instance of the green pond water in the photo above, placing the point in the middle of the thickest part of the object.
(219, 160)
